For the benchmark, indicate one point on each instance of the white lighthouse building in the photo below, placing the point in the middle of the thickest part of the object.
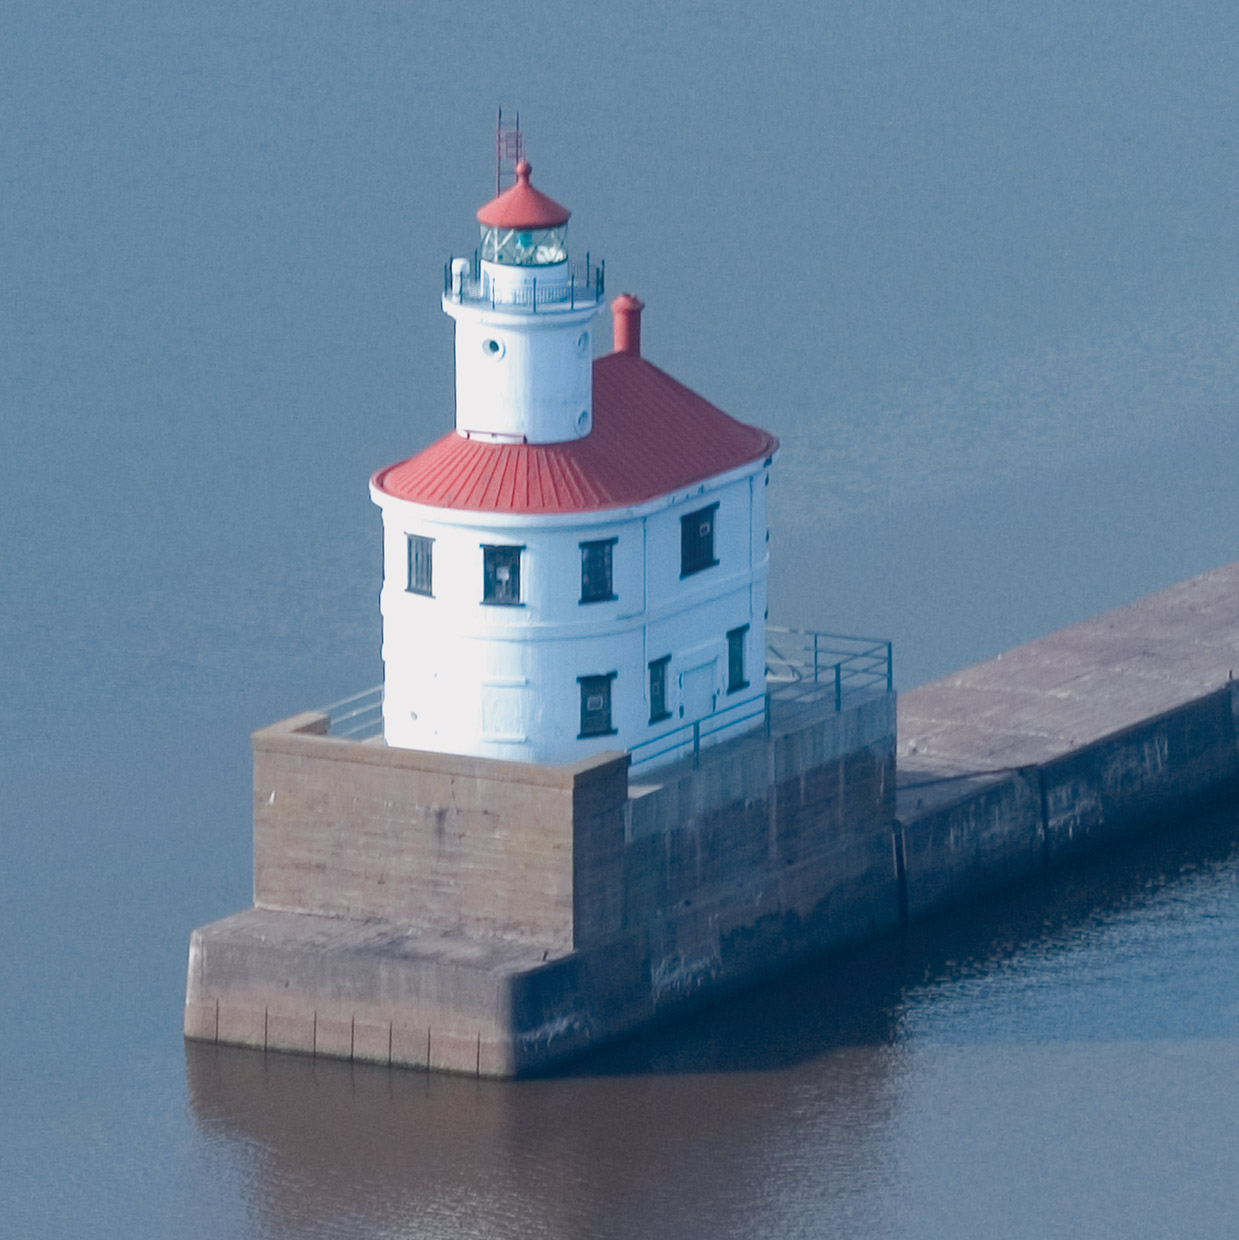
(580, 564)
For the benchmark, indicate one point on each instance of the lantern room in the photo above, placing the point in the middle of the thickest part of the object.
(523, 227)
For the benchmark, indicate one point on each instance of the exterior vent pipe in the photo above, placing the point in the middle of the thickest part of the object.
(626, 324)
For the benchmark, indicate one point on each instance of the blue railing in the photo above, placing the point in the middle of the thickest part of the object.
(801, 665)
(689, 736)
(804, 670)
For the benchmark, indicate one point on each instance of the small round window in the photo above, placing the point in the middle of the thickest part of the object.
(582, 421)
(492, 347)
(582, 343)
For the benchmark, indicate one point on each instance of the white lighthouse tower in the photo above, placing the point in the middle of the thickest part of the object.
(580, 565)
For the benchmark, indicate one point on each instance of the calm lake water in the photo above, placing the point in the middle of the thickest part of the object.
(974, 263)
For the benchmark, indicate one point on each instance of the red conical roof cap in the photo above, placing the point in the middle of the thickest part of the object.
(522, 206)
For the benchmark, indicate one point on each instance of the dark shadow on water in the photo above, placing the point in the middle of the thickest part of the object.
(714, 1094)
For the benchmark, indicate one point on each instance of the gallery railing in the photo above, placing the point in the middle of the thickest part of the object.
(584, 286)
(803, 670)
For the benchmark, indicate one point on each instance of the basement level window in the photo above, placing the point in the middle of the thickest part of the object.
(596, 586)
(697, 540)
(421, 565)
(501, 576)
(658, 689)
(596, 705)
(736, 639)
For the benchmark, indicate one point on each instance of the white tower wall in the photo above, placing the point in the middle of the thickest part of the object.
(524, 354)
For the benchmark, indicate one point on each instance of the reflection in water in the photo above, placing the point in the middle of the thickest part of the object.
(660, 1136)
(783, 1105)
(394, 1153)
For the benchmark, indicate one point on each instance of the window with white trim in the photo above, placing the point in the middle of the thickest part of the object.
(596, 705)
(697, 540)
(421, 565)
(658, 689)
(596, 583)
(501, 576)
(736, 640)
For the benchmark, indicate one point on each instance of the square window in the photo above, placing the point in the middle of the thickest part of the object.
(697, 541)
(501, 576)
(596, 705)
(736, 639)
(421, 565)
(658, 689)
(596, 584)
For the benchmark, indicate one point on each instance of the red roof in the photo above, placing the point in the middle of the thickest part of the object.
(522, 206)
(651, 436)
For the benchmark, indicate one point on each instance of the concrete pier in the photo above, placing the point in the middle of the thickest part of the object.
(471, 915)
(1022, 763)
(494, 918)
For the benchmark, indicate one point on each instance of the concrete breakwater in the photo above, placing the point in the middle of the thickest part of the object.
(1029, 760)
(494, 918)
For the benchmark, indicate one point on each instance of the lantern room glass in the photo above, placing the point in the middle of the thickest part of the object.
(527, 247)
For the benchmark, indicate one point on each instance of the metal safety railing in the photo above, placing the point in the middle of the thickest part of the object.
(585, 286)
(356, 718)
(803, 670)
(686, 739)
(801, 665)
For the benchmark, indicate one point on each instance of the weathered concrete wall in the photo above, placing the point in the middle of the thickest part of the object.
(434, 840)
(1119, 721)
(345, 988)
(474, 915)
(1140, 775)
(988, 838)
(1024, 822)
(739, 893)
(772, 847)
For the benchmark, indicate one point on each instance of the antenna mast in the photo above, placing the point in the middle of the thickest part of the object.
(509, 151)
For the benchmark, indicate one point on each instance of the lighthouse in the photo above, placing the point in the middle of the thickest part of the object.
(604, 791)
(580, 564)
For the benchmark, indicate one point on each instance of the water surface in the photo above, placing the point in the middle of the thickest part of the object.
(973, 263)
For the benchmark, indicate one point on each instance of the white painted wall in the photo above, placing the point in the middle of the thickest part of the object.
(495, 681)
(521, 374)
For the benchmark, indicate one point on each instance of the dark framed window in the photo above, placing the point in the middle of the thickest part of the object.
(658, 689)
(736, 639)
(421, 565)
(596, 705)
(697, 540)
(596, 584)
(501, 576)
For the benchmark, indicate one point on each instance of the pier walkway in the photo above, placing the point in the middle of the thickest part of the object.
(1068, 740)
